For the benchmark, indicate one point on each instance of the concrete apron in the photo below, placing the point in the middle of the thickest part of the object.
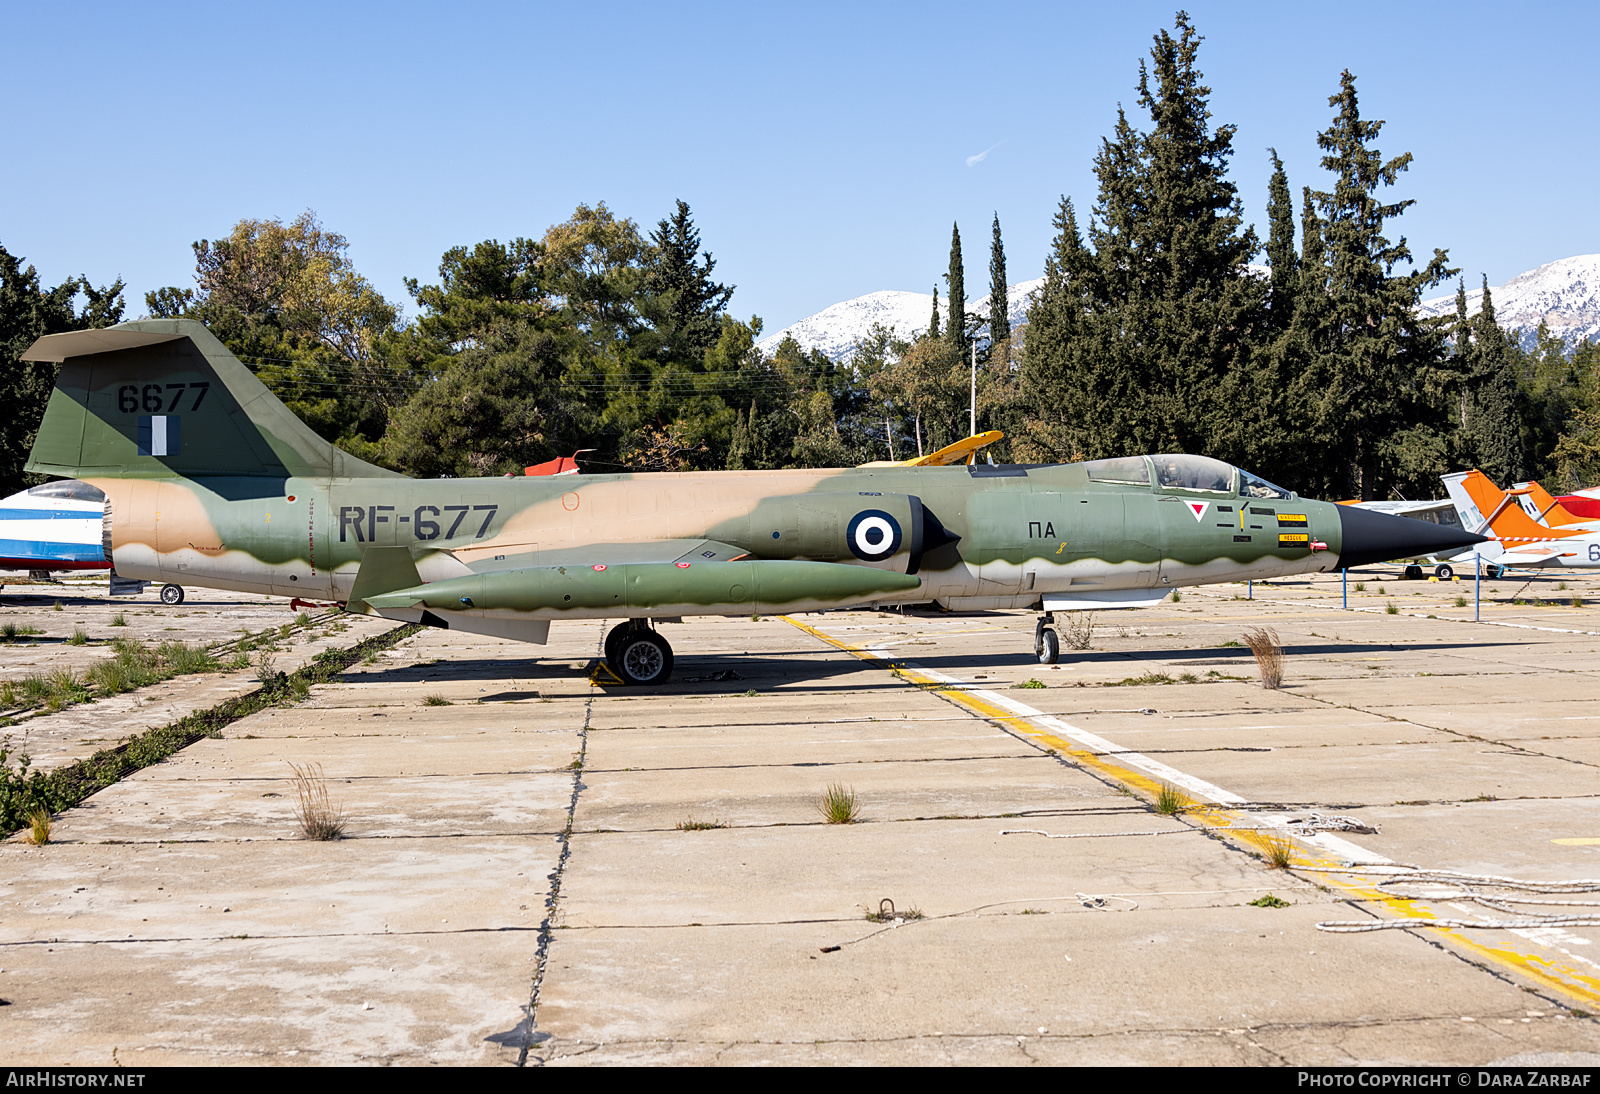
(180, 919)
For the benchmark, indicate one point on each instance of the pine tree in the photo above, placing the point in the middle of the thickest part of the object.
(999, 317)
(27, 311)
(1168, 311)
(1375, 350)
(955, 331)
(690, 304)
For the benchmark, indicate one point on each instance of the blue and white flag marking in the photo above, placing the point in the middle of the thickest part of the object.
(158, 434)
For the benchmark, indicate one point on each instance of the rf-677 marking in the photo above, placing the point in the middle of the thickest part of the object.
(212, 482)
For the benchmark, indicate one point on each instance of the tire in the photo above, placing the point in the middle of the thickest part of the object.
(1492, 572)
(1049, 647)
(172, 594)
(643, 658)
(1413, 573)
(614, 639)
(1443, 572)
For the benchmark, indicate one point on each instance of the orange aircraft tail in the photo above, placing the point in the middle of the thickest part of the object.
(1506, 520)
(1551, 511)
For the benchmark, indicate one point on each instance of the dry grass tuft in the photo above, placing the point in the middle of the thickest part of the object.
(1079, 630)
(436, 701)
(318, 817)
(1269, 655)
(839, 805)
(39, 824)
(690, 824)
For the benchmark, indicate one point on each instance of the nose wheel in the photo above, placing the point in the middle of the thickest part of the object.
(637, 654)
(1046, 646)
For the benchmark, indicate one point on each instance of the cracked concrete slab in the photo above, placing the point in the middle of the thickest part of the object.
(419, 938)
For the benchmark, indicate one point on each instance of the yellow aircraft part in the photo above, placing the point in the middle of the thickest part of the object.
(963, 451)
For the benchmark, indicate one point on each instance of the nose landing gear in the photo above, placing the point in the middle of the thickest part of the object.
(1046, 646)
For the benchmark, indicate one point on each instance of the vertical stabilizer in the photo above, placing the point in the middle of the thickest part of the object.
(163, 398)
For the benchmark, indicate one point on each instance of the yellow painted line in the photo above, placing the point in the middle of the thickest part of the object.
(1226, 822)
(1578, 841)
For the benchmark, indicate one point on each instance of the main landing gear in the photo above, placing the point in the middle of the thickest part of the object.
(1443, 571)
(1046, 646)
(638, 654)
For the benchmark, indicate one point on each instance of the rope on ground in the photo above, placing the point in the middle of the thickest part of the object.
(1476, 888)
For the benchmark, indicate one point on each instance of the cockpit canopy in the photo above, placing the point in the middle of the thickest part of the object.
(1181, 471)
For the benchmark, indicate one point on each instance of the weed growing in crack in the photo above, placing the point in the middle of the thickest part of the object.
(1170, 801)
(318, 817)
(838, 804)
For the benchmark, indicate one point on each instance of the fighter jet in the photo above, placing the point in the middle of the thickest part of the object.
(211, 481)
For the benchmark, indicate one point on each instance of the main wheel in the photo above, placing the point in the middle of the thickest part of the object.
(643, 657)
(1443, 572)
(1492, 572)
(614, 638)
(1413, 573)
(172, 594)
(1049, 647)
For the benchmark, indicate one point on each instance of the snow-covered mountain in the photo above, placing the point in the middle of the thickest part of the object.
(1565, 294)
(835, 330)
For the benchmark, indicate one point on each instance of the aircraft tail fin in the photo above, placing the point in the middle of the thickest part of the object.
(162, 397)
(1547, 509)
(1479, 500)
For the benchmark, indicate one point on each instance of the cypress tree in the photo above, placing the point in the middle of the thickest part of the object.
(1280, 246)
(999, 316)
(933, 322)
(955, 331)
(1495, 423)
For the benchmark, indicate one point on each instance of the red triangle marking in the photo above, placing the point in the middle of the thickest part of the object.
(1198, 508)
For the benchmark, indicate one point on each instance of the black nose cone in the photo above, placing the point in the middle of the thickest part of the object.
(1378, 537)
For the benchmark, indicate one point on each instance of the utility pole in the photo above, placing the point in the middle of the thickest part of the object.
(973, 429)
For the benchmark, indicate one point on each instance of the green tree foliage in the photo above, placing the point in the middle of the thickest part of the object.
(999, 306)
(955, 331)
(1491, 413)
(1136, 340)
(933, 321)
(287, 299)
(1374, 357)
(685, 303)
(1281, 256)
(28, 311)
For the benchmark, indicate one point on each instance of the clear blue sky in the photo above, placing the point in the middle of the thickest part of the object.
(822, 147)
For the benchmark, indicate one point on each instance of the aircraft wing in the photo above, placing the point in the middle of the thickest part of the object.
(963, 451)
(1532, 555)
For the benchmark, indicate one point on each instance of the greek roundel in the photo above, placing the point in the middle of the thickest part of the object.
(873, 535)
(1198, 508)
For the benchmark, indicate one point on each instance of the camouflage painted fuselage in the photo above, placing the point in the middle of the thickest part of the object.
(1021, 531)
(212, 482)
